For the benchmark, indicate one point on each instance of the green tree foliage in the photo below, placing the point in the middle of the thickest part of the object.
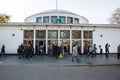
(4, 18)
(115, 17)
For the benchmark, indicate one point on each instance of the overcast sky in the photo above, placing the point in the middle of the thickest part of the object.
(96, 11)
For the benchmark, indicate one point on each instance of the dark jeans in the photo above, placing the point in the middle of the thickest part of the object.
(3, 52)
(107, 51)
(91, 53)
(85, 52)
(75, 57)
(106, 54)
(118, 55)
(29, 54)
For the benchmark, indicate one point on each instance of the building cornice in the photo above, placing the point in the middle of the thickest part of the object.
(56, 24)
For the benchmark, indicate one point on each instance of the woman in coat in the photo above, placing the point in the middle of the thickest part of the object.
(75, 52)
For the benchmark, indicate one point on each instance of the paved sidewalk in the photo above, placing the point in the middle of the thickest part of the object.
(99, 60)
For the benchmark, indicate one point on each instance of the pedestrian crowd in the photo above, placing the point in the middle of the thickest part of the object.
(26, 50)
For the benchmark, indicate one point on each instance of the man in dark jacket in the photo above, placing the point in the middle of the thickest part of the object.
(118, 55)
(107, 50)
(3, 50)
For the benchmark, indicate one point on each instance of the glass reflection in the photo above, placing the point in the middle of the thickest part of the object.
(65, 34)
(40, 34)
(87, 34)
(28, 34)
(52, 34)
(76, 34)
(65, 43)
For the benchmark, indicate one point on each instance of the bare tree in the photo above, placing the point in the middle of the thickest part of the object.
(115, 17)
(4, 18)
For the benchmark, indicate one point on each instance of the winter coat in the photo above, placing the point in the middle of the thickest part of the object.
(75, 51)
(119, 49)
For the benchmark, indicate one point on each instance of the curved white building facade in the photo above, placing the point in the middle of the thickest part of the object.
(61, 28)
(57, 16)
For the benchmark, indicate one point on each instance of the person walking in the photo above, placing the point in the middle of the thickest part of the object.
(107, 50)
(85, 49)
(65, 51)
(58, 52)
(3, 50)
(20, 51)
(75, 52)
(90, 51)
(118, 54)
(95, 49)
(25, 50)
(30, 50)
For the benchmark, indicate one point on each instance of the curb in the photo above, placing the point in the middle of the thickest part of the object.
(89, 65)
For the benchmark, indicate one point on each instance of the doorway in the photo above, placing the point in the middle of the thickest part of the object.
(40, 47)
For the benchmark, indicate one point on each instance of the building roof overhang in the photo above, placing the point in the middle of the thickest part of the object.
(57, 24)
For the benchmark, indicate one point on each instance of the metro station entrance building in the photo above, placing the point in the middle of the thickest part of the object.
(60, 28)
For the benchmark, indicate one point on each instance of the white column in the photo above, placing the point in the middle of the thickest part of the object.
(42, 19)
(49, 19)
(70, 41)
(66, 19)
(58, 37)
(46, 40)
(34, 40)
(82, 46)
(73, 20)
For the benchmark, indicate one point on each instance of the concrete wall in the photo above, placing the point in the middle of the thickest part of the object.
(11, 38)
(110, 36)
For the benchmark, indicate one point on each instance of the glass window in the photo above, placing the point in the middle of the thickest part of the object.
(65, 43)
(87, 34)
(46, 19)
(53, 19)
(76, 42)
(28, 42)
(76, 34)
(63, 19)
(87, 42)
(52, 43)
(40, 34)
(28, 34)
(64, 34)
(90, 34)
(39, 19)
(76, 20)
(52, 34)
(87, 38)
(69, 20)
